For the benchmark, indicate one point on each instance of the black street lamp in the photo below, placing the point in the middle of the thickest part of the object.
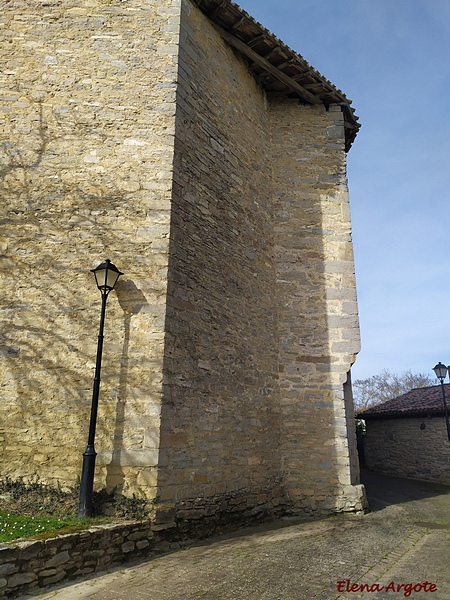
(106, 276)
(441, 374)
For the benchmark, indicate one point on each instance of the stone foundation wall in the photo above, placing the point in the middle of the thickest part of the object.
(29, 565)
(415, 447)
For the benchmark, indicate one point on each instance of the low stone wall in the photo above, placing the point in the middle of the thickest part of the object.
(38, 563)
(28, 565)
(408, 447)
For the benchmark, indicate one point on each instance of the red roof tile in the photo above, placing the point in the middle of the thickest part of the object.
(415, 403)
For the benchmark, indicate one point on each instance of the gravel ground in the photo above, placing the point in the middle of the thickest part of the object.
(400, 549)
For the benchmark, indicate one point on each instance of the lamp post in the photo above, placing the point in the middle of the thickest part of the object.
(441, 373)
(106, 276)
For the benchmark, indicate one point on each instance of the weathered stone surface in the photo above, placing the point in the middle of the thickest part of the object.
(8, 568)
(40, 564)
(315, 308)
(21, 579)
(128, 547)
(58, 559)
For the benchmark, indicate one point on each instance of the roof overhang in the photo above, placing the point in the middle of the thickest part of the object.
(277, 68)
(412, 414)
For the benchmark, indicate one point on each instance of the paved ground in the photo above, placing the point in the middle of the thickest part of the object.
(404, 541)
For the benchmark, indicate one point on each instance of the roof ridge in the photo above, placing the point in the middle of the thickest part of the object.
(411, 403)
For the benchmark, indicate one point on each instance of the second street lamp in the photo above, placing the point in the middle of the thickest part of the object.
(106, 276)
(441, 373)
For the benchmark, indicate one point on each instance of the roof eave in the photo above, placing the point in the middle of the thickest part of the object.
(277, 67)
(400, 415)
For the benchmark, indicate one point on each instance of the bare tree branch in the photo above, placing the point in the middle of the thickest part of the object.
(385, 386)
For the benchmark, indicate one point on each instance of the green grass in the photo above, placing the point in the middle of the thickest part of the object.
(13, 526)
(32, 509)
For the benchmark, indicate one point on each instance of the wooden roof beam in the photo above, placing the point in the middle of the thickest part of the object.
(218, 8)
(267, 66)
(257, 39)
(238, 23)
(271, 52)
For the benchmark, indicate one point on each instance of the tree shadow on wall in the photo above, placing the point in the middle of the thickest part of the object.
(47, 345)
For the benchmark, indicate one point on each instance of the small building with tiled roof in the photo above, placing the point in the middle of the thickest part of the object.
(407, 436)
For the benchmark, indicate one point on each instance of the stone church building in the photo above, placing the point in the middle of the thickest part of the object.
(207, 160)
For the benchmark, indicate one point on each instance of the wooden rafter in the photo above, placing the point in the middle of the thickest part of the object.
(271, 52)
(238, 23)
(256, 40)
(265, 64)
(218, 8)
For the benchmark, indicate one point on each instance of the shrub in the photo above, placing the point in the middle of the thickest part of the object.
(33, 498)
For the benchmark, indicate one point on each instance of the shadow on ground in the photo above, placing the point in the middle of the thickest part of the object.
(385, 490)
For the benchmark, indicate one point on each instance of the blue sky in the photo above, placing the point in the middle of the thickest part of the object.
(392, 59)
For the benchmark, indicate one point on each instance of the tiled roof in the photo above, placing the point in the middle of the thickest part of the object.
(415, 403)
(274, 64)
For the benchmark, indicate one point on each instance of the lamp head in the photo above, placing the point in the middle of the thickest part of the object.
(440, 371)
(106, 276)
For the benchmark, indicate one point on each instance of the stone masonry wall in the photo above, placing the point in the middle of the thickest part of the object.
(318, 321)
(87, 108)
(415, 447)
(26, 566)
(132, 131)
(220, 418)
